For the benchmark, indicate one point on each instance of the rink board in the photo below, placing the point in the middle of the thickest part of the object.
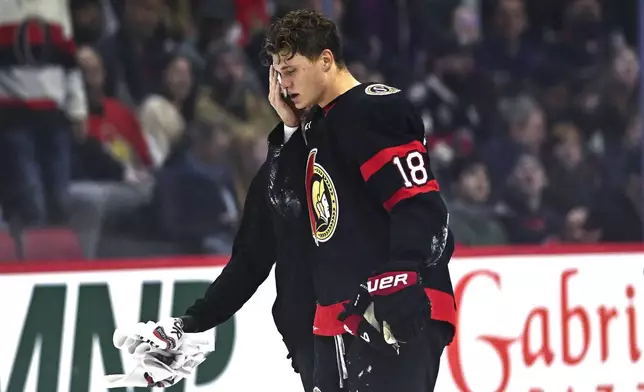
(544, 322)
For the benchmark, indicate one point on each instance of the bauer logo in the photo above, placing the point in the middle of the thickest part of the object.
(391, 282)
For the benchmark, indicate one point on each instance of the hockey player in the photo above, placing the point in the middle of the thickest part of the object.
(274, 230)
(382, 245)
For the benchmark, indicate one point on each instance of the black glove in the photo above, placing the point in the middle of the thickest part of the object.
(293, 363)
(399, 303)
(359, 320)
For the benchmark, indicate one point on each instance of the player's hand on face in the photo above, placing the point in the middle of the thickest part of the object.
(285, 109)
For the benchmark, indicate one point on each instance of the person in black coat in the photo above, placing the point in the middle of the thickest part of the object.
(274, 230)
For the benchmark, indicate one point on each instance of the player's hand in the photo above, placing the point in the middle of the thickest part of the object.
(285, 109)
(358, 320)
(400, 303)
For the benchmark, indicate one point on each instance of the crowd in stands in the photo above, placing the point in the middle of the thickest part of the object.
(531, 111)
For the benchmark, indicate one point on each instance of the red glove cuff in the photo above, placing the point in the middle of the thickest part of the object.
(351, 324)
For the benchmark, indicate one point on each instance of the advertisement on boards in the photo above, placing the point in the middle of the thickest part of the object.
(531, 323)
(59, 337)
(557, 323)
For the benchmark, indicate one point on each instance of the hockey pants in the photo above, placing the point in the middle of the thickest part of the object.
(415, 369)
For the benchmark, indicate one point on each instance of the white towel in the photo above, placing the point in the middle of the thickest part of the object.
(154, 366)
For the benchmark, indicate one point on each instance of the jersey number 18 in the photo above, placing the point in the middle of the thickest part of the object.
(415, 165)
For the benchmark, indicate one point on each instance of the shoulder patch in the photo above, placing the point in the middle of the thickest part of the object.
(380, 89)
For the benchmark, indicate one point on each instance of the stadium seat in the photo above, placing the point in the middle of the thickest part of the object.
(59, 244)
(7, 247)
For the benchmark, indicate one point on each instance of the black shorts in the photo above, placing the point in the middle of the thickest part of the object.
(366, 369)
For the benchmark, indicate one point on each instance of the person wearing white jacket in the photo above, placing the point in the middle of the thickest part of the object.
(42, 105)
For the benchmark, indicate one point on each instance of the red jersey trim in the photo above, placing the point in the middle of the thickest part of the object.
(328, 108)
(326, 321)
(375, 163)
(406, 193)
(310, 166)
(33, 104)
(36, 35)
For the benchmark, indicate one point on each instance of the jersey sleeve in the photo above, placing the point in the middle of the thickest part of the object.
(389, 148)
(252, 258)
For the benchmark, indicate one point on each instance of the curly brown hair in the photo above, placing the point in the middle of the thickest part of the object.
(304, 32)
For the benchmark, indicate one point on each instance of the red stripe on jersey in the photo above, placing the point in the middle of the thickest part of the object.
(35, 35)
(33, 104)
(406, 193)
(310, 167)
(326, 321)
(385, 156)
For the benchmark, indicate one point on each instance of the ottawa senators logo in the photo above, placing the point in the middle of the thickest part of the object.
(380, 89)
(322, 200)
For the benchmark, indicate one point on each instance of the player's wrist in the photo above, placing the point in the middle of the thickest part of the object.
(393, 277)
(288, 132)
(190, 324)
(291, 125)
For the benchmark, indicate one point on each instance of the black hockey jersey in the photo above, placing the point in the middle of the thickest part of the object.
(372, 199)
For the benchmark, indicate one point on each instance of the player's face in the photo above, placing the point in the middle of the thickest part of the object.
(302, 79)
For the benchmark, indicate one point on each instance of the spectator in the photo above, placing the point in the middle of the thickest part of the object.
(232, 95)
(42, 104)
(213, 24)
(135, 54)
(160, 115)
(87, 17)
(394, 35)
(556, 92)
(572, 178)
(445, 96)
(93, 21)
(252, 17)
(530, 108)
(455, 101)
(582, 42)
(113, 124)
(617, 211)
(508, 53)
(527, 219)
(608, 104)
(466, 25)
(526, 125)
(195, 203)
(576, 228)
(471, 217)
